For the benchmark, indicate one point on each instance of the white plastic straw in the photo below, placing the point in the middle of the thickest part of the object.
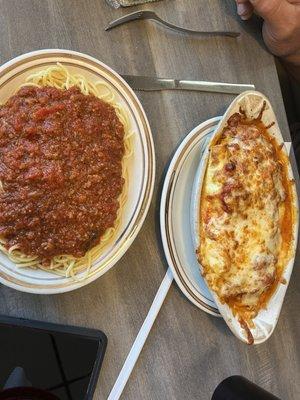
(141, 337)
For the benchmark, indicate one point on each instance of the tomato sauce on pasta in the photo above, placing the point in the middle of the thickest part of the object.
(60, 169)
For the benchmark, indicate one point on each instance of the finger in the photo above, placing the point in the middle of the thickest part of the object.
(244, 9)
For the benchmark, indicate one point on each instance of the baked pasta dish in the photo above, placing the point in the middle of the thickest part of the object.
(246, 216)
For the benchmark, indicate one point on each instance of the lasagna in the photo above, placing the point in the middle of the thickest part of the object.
(245, 216)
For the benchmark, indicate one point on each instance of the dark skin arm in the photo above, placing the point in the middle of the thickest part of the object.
(281, 28)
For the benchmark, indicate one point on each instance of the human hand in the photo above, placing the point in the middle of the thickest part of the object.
(281, 28)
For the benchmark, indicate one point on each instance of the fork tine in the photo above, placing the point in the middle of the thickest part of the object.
(126, 18)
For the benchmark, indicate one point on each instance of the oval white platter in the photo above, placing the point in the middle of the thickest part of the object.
(266, 320)
(141, 171)
(175, 216)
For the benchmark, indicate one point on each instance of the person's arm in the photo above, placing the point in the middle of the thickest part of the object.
(281, 28)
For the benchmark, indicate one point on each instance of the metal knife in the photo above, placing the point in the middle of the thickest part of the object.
(147, 83)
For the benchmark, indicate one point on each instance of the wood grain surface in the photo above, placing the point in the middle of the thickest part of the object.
(188, 352)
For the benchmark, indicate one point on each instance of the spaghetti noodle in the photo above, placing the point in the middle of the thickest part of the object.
(59, 77)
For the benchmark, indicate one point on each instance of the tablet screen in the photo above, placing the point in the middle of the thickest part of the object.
(63, 361)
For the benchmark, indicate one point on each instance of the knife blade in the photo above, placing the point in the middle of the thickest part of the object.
(147, 83)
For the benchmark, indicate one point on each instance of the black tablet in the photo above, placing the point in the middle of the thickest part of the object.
(64, 361)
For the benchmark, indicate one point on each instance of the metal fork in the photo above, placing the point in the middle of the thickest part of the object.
(138, 15)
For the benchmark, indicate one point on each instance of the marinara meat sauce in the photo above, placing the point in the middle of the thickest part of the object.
(61, 170)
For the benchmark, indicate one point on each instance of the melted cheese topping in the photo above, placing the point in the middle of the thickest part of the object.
(245, 203)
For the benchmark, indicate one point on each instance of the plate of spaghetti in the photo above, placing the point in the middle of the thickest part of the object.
(77, 169)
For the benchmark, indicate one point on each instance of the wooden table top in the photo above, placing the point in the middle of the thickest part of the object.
(188, 351)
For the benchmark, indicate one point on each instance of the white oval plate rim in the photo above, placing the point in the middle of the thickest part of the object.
(182, 281)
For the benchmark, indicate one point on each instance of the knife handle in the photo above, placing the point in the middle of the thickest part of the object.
(230, 88)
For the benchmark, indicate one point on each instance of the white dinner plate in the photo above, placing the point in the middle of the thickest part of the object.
(141, 170)
(175, 216)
